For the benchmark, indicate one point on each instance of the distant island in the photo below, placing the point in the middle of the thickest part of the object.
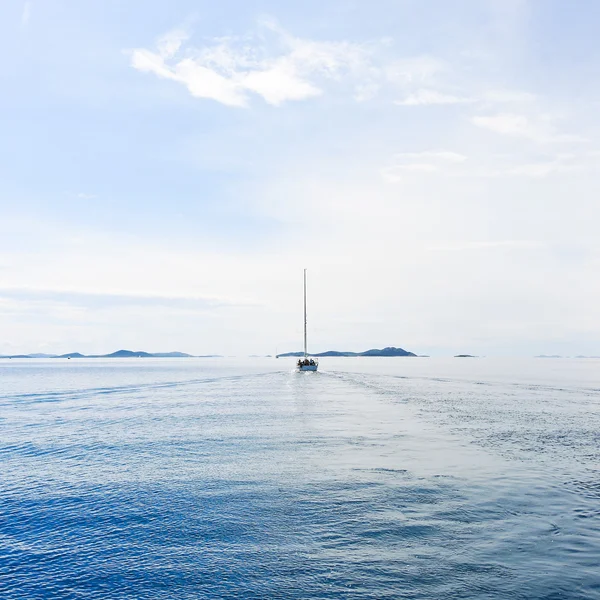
(390, 351)
(465, 356)
(558, 356)
(117, 354)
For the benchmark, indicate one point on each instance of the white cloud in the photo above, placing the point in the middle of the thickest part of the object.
(169, 44)
(228, 70)
(540, 129)
(280, 83)
(415, 70)
(203, 82)
(490, 98)
(450, 163)
(564, 163)
(452, 157)
(420, 162)
(506, 124)
(279, 67)
(538, 170)
(425, 97)
(108, 298)
(508, 97)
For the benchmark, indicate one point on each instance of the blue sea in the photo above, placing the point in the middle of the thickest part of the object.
(239, 478)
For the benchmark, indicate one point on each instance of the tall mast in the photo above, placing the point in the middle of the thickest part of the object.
(305, 351)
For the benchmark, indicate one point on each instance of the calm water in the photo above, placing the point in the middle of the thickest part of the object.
(374, 478)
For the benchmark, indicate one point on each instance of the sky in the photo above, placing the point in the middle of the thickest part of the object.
(168, 169)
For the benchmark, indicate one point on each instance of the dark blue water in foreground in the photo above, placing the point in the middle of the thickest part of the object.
(375, 478)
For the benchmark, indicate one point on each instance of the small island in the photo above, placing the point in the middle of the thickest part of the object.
(117, 354)
(389, 351)
(464, 356)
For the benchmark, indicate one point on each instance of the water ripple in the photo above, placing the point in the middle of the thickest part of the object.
(236, 482)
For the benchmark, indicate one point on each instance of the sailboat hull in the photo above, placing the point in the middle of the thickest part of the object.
(308, 368)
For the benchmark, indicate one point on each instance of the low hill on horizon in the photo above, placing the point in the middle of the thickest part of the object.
(117, 354)
(389, 351)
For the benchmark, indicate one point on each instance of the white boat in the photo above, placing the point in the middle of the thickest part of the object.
(306, 363)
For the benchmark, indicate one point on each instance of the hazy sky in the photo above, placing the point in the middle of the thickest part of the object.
(167, 169)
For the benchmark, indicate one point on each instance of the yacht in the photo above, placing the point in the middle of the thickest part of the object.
(306, 363)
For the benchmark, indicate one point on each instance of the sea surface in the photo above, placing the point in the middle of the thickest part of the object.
(239, 478)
